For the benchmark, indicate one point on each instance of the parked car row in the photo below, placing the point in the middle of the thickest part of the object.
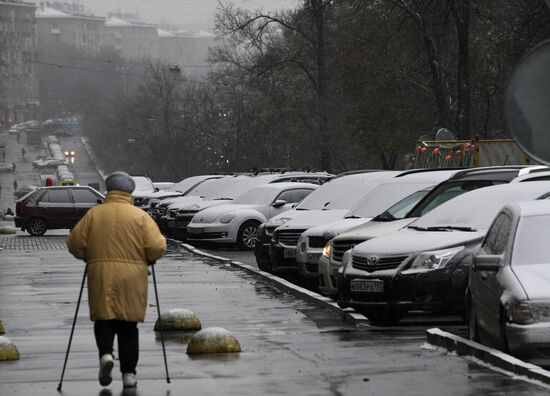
(231, 206)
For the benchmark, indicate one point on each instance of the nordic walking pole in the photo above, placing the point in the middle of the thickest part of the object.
(160, 323)
(72, 329)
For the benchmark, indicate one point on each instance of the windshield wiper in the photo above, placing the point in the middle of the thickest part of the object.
(353, 217)
(451, 228)
(418, 228)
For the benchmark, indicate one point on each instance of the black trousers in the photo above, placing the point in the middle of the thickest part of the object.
(128, 342)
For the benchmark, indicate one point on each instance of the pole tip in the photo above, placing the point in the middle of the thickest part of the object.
(168, 380)
(59, 388)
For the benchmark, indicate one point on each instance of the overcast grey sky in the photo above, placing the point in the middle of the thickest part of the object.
(189, 14)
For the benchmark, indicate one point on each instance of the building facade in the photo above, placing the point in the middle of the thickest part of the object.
(18, 84)
(133, 39)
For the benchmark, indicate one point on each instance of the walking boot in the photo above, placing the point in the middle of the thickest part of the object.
(129, 380)
(106, 364)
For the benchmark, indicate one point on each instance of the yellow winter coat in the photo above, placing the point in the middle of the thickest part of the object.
(117, 241)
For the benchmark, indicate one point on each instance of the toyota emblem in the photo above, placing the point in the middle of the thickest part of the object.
(372, 260)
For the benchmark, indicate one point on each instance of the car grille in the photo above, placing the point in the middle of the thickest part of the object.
(383, 263)
(317, 242)
(341, 247)
(162, 210)
(289, 237)
(184, 217)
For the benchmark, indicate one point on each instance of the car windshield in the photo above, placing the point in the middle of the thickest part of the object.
(257, 196)
(447, 191)
(531, 245)
(400, 209)
(383, 197)
(237, 187)
(143, 183)
(474, 210)
(186, 184)
(342, 193)
(209, 188)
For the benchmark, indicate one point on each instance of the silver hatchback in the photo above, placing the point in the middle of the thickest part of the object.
(508, 297)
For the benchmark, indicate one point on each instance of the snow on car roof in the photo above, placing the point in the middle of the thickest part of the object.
(477, 208)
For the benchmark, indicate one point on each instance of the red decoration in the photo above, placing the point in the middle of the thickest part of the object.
(448, 158)
(457, 153)
(472, 148)
(436, 151)
(418, 149)
(423, 149)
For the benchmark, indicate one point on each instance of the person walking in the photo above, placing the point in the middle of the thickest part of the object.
(14, 184)
(117, 241)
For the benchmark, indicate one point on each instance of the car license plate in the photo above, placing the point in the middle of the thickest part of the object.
(313, 257)
(195, 230)
(368, 286)
(289, 253)
(171, 223)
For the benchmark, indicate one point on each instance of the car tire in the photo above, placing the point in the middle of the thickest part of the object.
(36, 226)
(246, 237)
(385, 317)
(473, 331)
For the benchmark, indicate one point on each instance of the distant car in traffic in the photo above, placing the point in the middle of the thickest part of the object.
(48, 208)
(48, 163)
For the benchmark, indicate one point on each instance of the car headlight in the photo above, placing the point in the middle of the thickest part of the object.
(302, 244)
(277, 222)
(227, 218)
(327, 249)
(435, 259)
(527, 312)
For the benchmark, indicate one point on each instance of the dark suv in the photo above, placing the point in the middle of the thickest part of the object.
(49, 208)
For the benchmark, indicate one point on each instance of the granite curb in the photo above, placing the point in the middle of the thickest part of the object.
(494, 357)
(347, 314)
(92, 156)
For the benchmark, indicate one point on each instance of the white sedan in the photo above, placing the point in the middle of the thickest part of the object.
(238, 221)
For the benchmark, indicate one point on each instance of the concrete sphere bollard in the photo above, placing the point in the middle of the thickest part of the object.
(213, 340)
(8, 351)
(178, 320)
(7, 230)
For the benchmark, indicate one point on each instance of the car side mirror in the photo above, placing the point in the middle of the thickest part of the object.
(486, 263)
(99, 201)
(157, 189)
(279, 203)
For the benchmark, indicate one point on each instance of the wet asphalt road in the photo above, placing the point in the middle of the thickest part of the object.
(289, 346)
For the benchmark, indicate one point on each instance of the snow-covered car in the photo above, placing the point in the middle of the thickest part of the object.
(6, 166)
(144, 188)
(425, 265)
(313, 240)
(182, 215)
(279, 237)
(508, 296)
(237, 222)
(409, 210)
(180, 189)
(48, 163)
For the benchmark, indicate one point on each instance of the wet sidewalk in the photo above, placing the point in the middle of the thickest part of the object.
(289, 346)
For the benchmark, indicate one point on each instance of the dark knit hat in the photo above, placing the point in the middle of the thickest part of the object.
(120, 181)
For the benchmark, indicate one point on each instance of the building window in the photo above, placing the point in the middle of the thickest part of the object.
(56, 29)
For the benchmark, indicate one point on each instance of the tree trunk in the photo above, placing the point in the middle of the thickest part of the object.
(322, 116)
(461, 14)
